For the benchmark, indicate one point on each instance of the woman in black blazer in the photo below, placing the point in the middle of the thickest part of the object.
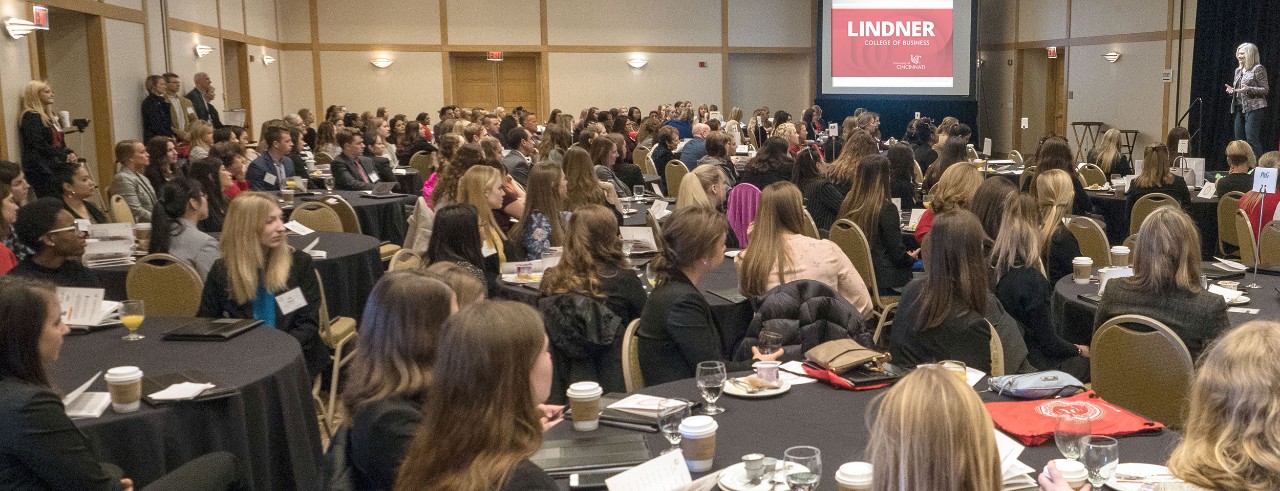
(42, 138)
(677, 330)
(260, 277)
(867, 205)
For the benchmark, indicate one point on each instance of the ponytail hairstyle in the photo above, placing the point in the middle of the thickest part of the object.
(172, 201)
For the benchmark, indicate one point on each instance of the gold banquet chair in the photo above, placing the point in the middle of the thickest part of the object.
(1227, 207)
(404, 259)
(351, 224)
(317, 216)
(337, 333)
(640, 157)
(1269, 244)
(120, 211)
(854, 243)
(997, 351)
(1092, 175)
(675, 175)
(421, 161)
(1147, 370)
(1244, 235)
(810, 228)
(167, 285)
(632, 376)
(1145, 206)
(1093, 241)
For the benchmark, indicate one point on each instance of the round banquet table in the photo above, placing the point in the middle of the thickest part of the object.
(1114, 211)
(831, 419)
(269, 423)
(410, 181)
(352, 266)
(382, 218)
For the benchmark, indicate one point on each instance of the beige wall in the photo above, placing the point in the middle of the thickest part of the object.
(298, 87)
(127, 73)
(184, 63)
(265, 101)
(604, 80)
(68, 51)
(349, 79)
(17, 60)
(777, 81)
(770, 23)
(365, 21)
(631, 23)
(472, 22)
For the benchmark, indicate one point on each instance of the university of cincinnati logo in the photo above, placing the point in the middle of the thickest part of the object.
(1057, 408)
(915, 59)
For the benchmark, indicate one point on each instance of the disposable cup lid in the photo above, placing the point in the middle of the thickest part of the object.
(697, 426)
(142, 226)
(854, 473)
(1071, 468)
(584, 389)
(123, 374)
(1120, 248)
(1082, 260)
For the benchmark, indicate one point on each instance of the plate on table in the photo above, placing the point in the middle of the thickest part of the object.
(1160, 473)
(736, 390)
(734, 477)
(514, 278)
(1240, 300)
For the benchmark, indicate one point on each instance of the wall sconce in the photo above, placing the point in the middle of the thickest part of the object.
(1112, 57)
(381, 62)
(268, 60)
(203, 51)
(19, 28)
(637, 62)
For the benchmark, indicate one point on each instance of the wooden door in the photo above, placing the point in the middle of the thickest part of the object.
(512, 82)
(1055, 100)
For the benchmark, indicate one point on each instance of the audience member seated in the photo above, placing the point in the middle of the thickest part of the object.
(988, 204)
(389, 374)
(327, 140)
(593, 265)
(1055, 153)
(808, 169)
(51, 232)
(931, 431)
(522, 156)
(779, 252)
(411, 142)
(542, 226)
(823, 197)
(40, 448)
(164, 161)
(1024, 290)
(1251, 201)
(272, 168)
(703, 187)
(458, 162)
(902, 175)
(677, 330)
(234, 161)
(173, 224)
(584, 188)
(352, 171)
(555, 141)
(8, 215)
(466, 287)
(1109, 157)
(259, 276)
(1240, 176)
(481, 187)
(626, 171)
(77, 187)
(201, 139)
(213, 179)
(604, 155)
(720, 147)
(375, 150)
(11, 174)
(953, 152)
(682, 122)
(1165, 285)
(130, 184)
(1157, 178)
(956, 188)
(696, 148)
(948, 314)
(482, 439)
(664, 147)
(867, 205)
(1053, 195)
(922, 135)
(456, 239)
(773, 162)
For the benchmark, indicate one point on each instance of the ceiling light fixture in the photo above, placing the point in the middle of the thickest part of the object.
(381, 62)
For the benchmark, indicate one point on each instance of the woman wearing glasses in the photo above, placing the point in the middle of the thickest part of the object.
(51, 232)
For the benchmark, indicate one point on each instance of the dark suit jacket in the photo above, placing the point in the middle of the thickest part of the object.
(39, 154)
(677, 331)
(379, 438)
(263, 165)
(347, 178)
(303, 323)
(39, 446)
(964, 335)
(156, 117)
(204, 110)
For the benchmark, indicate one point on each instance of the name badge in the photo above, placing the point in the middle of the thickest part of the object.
(373, 177)
(269, 178)
(290, 301)
(191, 110)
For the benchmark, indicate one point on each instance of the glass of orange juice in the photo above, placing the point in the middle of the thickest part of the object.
(132, 312)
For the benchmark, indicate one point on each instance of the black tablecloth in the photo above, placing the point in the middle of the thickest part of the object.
(270, 424)
(1076, 315)
(410, 182)
(832, 420)
(382, 218)
(1203, 211)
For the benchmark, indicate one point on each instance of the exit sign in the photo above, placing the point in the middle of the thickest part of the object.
(495, 56)
(1052, 51)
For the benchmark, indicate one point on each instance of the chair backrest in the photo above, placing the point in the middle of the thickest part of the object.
(854, 243)
(167, 285)
(744, 200)
(810, 228)
(653, 224)
(317, 216)
(1269, 244)
(1145, 206)
(640, 157)
(421, 221)
(1147, 370)
(1130, 242)
(1016, 156)
(675, 172)
(632, 377)
(997, 351)
(346, 213)
(120, 210)
(421, 161)
(1227, 207)
(1093, 241)
(1028, 177)
(1092, 174)
(1245, 238)
(404, 259)
(323, 159)
(323, 315)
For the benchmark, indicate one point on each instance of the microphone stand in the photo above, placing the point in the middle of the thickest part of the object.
(1257, 254)
(1199, 121)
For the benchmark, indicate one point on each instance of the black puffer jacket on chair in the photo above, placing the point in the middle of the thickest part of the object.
(806, 313)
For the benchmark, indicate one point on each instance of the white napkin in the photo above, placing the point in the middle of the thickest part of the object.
(1227, 294)
(1229, 265)
(180, 392)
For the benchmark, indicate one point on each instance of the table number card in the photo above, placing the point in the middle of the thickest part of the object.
(1264, 180)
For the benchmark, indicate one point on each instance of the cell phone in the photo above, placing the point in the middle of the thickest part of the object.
(590, 480)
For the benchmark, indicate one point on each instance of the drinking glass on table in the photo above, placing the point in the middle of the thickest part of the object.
(1100, 456)
(955, 368)
(328, 184)
(711, 378)
(671, 412)
(806, 478)
(770, 342)
(1069, 432)
(637, 192)
(651, 274)
(132, 313)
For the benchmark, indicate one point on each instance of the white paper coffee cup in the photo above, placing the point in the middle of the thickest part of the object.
(1073, 471)
(584, 400)
(698, 441)
(1120, 256)
(854, 476)
(125, 386)
(65, 116)
(1081, 268)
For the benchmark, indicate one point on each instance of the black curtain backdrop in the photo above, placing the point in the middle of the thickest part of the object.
(896, 113)
(1221, 25)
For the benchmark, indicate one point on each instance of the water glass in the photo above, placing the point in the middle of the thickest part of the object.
(637, 191)
(328, 184)
(770, 342)
(627, 247)
(711, 378)
(1101, 455)
(803, 467)
(1069, 431)
(671, 412)
(132, 313)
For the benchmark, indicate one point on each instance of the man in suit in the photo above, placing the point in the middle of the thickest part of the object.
(522, 155)
(697, 147)
(272, 168)
(201, 99)
(352, 171)
(181, 110)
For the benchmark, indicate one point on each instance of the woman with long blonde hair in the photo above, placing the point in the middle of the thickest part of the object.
(258, 270)
(593, 264)
(779, 252)
(703, 186)
(955, 189)
(41, 137)
(931, 431)
(1054, 195)
(1109, 157)
(481, 421)
(481, 187)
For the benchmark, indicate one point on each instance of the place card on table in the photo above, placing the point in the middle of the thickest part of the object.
(916, 215)
(659, 210)
(298, 228)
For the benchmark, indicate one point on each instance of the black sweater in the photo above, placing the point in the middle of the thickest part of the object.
(40, 448)
(1024, 293)
(888, 255)
(822, 198)
(677, 331)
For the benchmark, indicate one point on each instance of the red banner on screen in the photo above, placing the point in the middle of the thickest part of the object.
(885, 47)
